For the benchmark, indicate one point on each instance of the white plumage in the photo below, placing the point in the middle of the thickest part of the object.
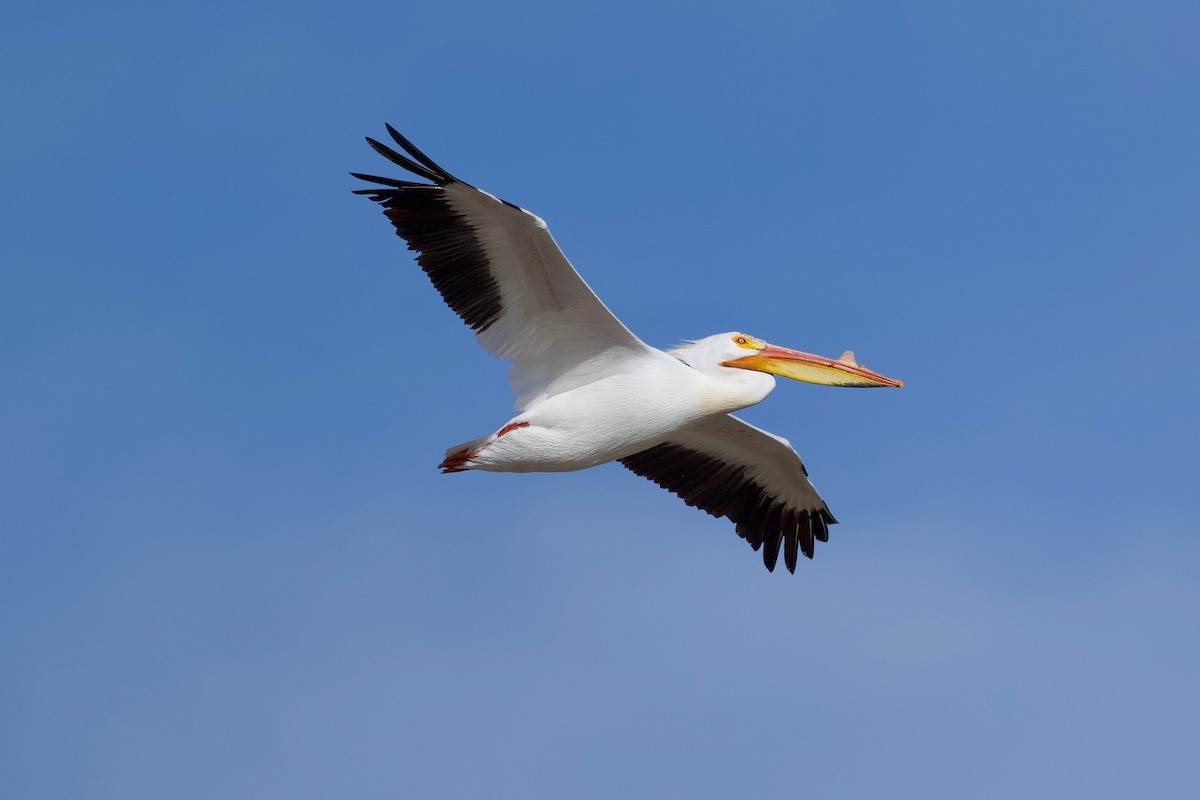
(588, 390)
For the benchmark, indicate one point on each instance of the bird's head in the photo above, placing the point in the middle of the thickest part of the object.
(742, 351)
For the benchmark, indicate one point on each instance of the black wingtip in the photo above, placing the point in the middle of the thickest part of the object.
(412, 150)
(820, 529)
(807, 541)
(408, 164)
(386, 181)
(771, 552)
(773, 536)
(791, 540)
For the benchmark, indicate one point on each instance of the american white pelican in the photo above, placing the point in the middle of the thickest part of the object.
(589, 391)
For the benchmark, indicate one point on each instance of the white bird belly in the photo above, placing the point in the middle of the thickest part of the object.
(611, 418)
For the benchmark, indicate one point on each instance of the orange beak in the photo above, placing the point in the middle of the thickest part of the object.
(844, 371)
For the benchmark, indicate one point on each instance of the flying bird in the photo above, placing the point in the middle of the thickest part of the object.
(588, 390)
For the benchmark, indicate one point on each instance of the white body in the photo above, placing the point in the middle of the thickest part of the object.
(635, 407)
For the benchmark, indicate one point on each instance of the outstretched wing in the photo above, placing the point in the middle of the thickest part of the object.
(497, 266)
(732, 469)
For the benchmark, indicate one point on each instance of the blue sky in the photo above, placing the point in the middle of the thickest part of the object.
(229, 567)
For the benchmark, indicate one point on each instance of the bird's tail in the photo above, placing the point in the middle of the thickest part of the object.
(457, 457)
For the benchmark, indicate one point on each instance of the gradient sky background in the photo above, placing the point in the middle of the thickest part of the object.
(230, 569)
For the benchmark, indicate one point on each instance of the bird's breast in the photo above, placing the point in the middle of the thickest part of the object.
(625, 413)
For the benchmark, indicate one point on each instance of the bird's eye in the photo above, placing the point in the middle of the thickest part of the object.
(747, 342)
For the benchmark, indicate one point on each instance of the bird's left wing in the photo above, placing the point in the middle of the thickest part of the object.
(497, 266)
(732, 469)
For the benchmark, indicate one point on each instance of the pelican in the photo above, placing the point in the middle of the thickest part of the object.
(588, 390)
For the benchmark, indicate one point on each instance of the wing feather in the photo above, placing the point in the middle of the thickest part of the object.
(732, 469)
(497, 266)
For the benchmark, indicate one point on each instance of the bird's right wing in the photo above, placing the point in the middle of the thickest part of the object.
(732, 469)
(497, 266)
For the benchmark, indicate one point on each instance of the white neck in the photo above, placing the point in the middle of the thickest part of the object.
(726, 389)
